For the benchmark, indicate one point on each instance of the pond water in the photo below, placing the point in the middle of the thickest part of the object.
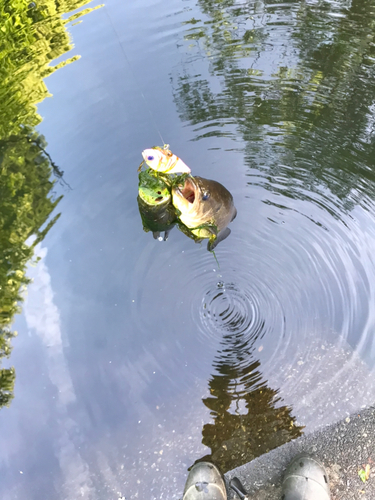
(136, 357)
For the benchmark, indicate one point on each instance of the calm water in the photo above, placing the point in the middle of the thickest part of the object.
(135, 358)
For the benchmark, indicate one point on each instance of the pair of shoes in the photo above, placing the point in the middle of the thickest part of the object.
(305, 479)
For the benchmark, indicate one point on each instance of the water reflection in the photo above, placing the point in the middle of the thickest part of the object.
(247, 423)
(32, 35)
(286, 121)
(306, 118)
(26, 204)
(304, 110)
(290, 86)
(249, 418)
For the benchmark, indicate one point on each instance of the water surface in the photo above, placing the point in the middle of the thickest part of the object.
(135, 358)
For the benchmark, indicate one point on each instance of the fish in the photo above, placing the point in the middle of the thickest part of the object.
(153, 190)
(158, 219)
(164, 161)
(205, 207)
(155, 205)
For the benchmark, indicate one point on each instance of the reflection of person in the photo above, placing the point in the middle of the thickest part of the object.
(248, 417)
(305, 479)
(246, 423)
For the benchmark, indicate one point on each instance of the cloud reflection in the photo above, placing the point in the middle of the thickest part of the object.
(42, 316)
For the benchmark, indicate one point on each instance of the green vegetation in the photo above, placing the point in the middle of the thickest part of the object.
(26, 204)
(32, 35)
(364, 474)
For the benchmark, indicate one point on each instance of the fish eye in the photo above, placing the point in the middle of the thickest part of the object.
(150, 158)
(205, 196)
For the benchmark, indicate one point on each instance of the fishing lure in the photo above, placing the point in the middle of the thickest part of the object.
(164, 161)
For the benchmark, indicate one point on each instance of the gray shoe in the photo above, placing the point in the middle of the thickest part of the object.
(305, 479)
(205, 482)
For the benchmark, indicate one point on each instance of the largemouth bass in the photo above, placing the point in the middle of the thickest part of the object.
(205, 207)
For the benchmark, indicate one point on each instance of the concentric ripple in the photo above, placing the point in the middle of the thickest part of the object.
(248, 313)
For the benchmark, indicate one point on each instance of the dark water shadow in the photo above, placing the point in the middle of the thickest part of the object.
(249, 418)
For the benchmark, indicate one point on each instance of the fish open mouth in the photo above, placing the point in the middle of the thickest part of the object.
(188, 191)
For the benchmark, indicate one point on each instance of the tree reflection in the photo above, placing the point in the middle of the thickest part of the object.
(249, 419)
(32, 35)
(26, 203)
(310, 107)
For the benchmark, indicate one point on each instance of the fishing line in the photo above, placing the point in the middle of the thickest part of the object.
(135, 78)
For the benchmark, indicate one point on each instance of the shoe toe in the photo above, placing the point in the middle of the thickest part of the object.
(204, 482)
(305, 479)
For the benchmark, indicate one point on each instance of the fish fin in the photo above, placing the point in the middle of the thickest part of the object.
(215, 240)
